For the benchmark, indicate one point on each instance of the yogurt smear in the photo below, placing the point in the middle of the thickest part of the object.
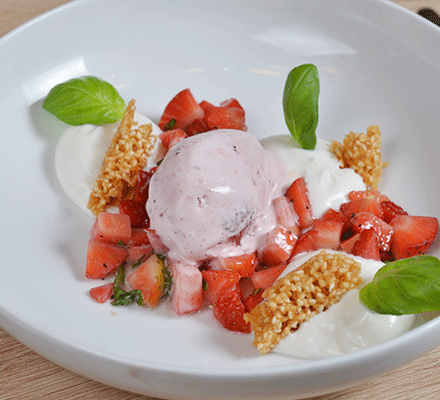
(344, 327)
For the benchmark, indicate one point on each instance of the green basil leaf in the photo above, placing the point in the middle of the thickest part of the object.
(85, 100)
(407, 286)
(300, 104)
(122, 297)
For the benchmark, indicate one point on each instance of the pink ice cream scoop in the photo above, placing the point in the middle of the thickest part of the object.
(212, 195)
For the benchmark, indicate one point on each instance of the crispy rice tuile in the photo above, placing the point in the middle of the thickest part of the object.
(301, 294)
(126, 156)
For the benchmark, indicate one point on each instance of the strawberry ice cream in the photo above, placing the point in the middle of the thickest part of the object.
(212, 195)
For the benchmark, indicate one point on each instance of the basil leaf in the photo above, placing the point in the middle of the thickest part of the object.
(407, 286)
(122, 297)
(85, 100)
(300, 104)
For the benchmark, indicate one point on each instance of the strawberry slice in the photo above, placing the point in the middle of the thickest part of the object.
(217, 282)
(286, 215)
(305, 243)
(413, 235)
(277, 246)
(231, 103)
(361, 194)
(244, 264)
(368, 203)
(367, 245)
(347, 244)
(183, 109)
(102, 293)
(255, 298)
(298, 195)
(223, 117)
(196, 127)
(172, 137)
(328, 233)
(265, 278)
(366, 220)
(229, 311)
(391, 210)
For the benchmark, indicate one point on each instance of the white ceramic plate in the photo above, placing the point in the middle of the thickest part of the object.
(378, 63)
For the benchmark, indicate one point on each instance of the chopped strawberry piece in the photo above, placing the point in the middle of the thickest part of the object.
(111, 228)
(149, 278)
(368, 203)
(413, 235)
(142, 185)
(187, 292)
(103, 258)
(231, 103)
(286, 215)
(229, 311)
(244, 264)
(265, 278)
(361, 194)
(347, 244)
(102, 293)
(172, 137)
(156, 243)
(298, 195)
(183, 108)
(305, 243)
(367, 245)
(223, 117)
(139, 253)
(255, 298)
(367, 220)
(328, 233)
(246, 286)
(196, 127)
(136, 212)
(277, 246)
(391, 210)
(216, 282)
(334, 214)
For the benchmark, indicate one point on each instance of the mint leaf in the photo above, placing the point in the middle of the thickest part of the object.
(85, 100)
(120, 296)
(300, 104)
(407, 286)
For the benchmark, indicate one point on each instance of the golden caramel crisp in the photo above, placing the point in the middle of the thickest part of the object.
(301, 294)
(362, 152)
(126, 156)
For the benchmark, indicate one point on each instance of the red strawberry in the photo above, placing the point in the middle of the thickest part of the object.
(255, 298)
(265, 278)
(229, 311)
(306, 242)
(217, 282)
(367, 245)
(347, 244)
(328, 233)
(298, 195)
(277, 247)
(286, 215)
(244, 264)
(183, 108)
(368, 203)
(366, 220)
(391, 210)
(360, 194)
(102, 293)
(171, 137)
(413, 235)
(231, 103)
(196, 127)
(136, 211)
(224, 117)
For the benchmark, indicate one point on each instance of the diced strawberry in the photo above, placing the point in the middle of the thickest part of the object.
(286, 215)
(136, 212)
(231, 103)
(361, 194)
(196, 127)
(244, 264)
(367, 245)
(155, 242)
(347, 244)
(246, 286)
(328, 233)
(111, 228)
(216, 282)
(172, 137)
(187, 292)
(413, 235)
(149, 278)
(255, 298)
(142, 185)
(223, 117)
(334, 214)
(229, 311)
(102, 293)
(183, 108)
(367, 220)
(305, 243)
(391, 210)
(298, 195)
(265, 278)
(277, 246)
(368, 203)
(103, 258)
(139, 247)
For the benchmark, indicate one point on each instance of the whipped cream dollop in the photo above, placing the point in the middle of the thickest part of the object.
(211, 187)
(79, 155)
(327, 183)
(344, 327)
